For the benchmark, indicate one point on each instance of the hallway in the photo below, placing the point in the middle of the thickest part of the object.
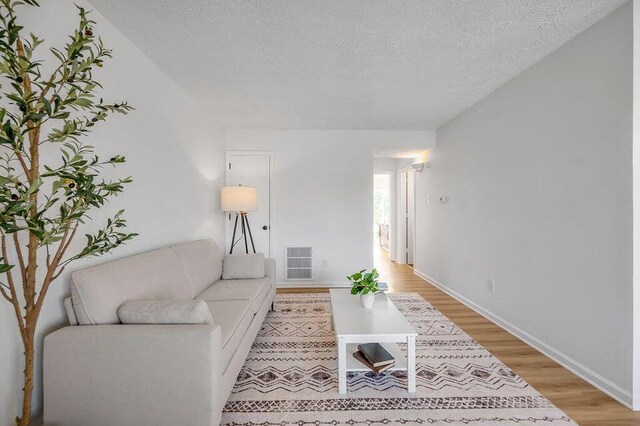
(583, 402)
(399, 278)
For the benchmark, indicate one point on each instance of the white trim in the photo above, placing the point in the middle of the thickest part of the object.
(270, 154)
(605, 385)
(635, 158)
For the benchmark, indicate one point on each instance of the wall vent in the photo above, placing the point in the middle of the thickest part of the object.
(299, 263)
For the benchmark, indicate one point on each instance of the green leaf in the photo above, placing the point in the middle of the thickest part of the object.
(4, 266)
(9, 227)
(82, 102)
(61, 115)
(47, 106)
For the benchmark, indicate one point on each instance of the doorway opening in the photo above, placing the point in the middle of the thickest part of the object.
(381, 210)
(383, 222)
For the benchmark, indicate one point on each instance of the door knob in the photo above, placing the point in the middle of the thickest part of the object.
(265, 227)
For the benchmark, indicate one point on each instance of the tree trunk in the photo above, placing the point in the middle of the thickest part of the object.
(28, 380)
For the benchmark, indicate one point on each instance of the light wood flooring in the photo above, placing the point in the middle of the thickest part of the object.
(581, 401)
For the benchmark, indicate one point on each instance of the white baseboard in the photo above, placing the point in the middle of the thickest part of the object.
(605, 385)
(307, 284)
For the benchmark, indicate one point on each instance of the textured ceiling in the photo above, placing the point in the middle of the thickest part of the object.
(346, 64)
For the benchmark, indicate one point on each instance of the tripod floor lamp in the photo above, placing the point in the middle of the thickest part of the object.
(240, 200)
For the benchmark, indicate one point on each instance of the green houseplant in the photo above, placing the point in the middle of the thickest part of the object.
(366, 285)
(43, 205)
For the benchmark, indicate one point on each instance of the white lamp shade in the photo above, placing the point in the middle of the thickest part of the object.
(239, 199)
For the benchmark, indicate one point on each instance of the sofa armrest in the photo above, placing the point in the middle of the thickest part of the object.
(270, 270)
(132, 374)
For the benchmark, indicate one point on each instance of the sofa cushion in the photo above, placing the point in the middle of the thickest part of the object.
(165, 312)
(202, 262)
(243, 266)
(254, 291)
(97, 293)
(234, 318)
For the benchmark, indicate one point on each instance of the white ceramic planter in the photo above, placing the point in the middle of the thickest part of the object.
(367, 300)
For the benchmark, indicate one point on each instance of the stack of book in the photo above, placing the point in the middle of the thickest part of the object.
(374, 356)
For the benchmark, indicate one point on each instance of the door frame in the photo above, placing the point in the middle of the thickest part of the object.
(270, 154)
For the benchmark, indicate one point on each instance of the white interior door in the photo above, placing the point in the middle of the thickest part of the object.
(410, 214)
(251, 169)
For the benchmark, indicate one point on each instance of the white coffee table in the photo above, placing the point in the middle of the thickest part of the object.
(382, 324)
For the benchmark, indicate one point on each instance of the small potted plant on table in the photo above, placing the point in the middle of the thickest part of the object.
(366, 285)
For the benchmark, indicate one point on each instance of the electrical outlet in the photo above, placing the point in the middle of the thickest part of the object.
(491, 286)
(324, 263)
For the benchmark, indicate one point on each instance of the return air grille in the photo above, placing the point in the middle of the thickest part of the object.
(299, 263)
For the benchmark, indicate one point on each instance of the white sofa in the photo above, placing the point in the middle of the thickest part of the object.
(101, 372)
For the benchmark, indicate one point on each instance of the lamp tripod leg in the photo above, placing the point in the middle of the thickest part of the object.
(253, 246)
(244, 232)
(233, 237)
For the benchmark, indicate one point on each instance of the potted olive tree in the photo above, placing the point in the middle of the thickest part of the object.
(44, 200)
(366, 285)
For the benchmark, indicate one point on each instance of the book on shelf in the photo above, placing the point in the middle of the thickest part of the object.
(360, 357)
(376, 354)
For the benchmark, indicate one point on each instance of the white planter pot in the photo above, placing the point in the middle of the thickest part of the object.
(367, 300)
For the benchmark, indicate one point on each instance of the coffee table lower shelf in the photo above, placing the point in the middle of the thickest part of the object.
(355, 365)
(347, 345)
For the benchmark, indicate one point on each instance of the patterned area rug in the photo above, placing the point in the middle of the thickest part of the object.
(290, 376)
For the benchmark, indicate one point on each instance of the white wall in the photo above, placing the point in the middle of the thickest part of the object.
(323, 192)
(539, 180)
(177, 166)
